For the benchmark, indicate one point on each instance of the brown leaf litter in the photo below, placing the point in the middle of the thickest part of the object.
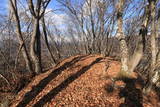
(83, 81)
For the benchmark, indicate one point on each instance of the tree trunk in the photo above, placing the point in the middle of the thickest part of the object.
(153, 74)
(121, 37)
(127, 65)
(153, 41)
(46, 40)
(35, 47)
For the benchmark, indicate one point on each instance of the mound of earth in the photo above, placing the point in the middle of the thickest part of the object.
(83, 81)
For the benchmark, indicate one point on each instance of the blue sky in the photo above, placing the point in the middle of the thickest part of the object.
(3, 5)
(53, 4)
(131, 12)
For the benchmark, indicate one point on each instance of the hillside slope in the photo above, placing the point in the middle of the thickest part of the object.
(83, 81)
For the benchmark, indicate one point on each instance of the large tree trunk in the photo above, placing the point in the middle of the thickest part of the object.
(128, 64)
(153, 40)
(35, 46)
(157, 71)
(121, 37)
(153, 74)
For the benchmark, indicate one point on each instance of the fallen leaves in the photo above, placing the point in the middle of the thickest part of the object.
(80, 84)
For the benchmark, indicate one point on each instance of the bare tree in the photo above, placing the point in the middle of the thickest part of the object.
(93, 23)
(128, 63)
(154, 72)
(121, 37)
(46, 40)
(13, 4)
(35, 44)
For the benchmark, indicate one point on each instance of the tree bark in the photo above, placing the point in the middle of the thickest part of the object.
(128, 63)
(153, 42)
(35, 46)
(153, 74)
(121, 37)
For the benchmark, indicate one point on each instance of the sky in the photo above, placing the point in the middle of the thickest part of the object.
(4, 3)
(59, 18)
(53, 5)
(3, 6)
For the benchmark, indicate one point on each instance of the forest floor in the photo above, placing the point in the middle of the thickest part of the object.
(84, 81)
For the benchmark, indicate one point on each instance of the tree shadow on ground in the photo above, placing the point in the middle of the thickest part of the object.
(29, 96)
(157, 90)
(132, 96)
(48, 97)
